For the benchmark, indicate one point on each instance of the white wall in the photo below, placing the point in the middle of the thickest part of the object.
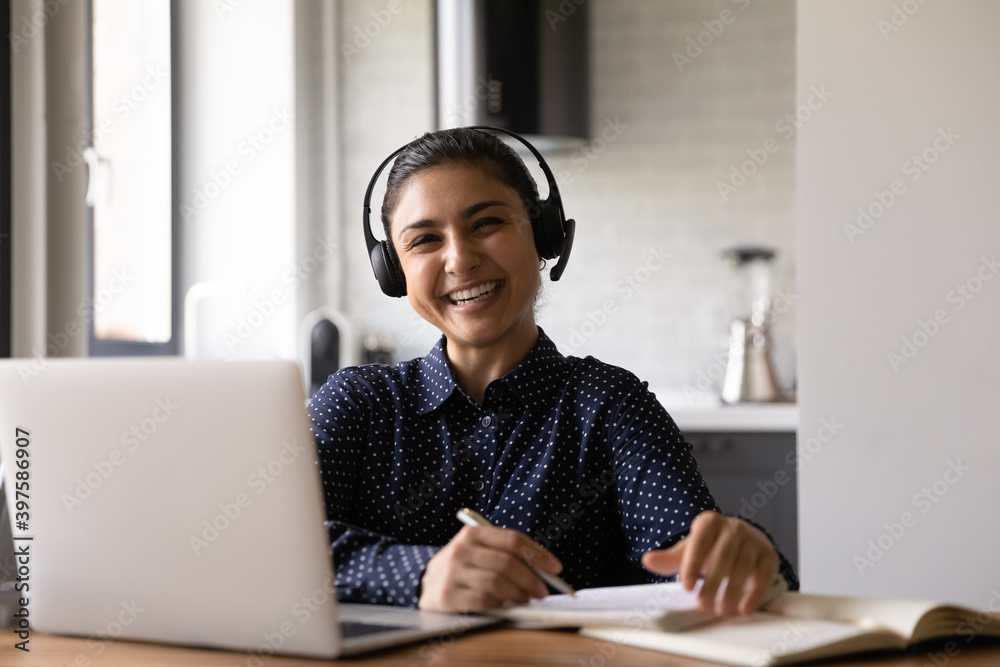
(674, 133)
(898, 494)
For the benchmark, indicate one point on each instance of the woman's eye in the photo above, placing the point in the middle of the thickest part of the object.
(485, 222)
(421, 240)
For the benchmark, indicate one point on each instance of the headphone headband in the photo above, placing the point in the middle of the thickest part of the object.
(553, 232)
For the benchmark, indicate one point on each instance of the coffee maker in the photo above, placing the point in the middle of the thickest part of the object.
(749, 373)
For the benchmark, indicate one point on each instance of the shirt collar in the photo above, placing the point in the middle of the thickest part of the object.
(541, 373)
(435, 382)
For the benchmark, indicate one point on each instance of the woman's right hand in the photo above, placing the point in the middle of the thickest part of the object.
(482, 567)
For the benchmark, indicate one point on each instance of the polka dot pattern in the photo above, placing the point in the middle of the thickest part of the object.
(574, 452)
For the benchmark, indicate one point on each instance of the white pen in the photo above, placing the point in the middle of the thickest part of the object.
(474, 518)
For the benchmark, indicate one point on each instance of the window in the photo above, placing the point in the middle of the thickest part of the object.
(130, 192)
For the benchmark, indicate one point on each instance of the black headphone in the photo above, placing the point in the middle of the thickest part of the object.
(553, 232)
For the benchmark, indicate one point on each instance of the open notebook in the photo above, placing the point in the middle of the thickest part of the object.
(790, 628)
(664, 606)
(797, 627)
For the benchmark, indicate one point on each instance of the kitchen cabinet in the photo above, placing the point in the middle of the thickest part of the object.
(747, 456)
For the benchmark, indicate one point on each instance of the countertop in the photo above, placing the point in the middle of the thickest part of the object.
(702, 413)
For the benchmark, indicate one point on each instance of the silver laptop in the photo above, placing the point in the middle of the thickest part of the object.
(179, 501)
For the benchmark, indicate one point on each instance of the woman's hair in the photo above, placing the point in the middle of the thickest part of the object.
(458, 146)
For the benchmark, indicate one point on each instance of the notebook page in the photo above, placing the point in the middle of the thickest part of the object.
(663, 605)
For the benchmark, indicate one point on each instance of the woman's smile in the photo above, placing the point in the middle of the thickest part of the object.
(474, 294)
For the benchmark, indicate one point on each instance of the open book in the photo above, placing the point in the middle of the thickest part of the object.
(797, 626)
(664, 606)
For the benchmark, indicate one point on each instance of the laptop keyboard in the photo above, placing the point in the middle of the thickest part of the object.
(360, 629)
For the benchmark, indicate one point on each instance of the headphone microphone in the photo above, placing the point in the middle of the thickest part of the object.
(552, 231)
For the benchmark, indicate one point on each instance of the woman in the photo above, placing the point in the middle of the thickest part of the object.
(574, 461)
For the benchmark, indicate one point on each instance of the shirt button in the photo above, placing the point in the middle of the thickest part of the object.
(478, 485)
(487, 420)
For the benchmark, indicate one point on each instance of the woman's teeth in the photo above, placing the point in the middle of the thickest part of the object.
(477, 293)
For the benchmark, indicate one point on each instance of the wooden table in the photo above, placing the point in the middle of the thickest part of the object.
(494, 647)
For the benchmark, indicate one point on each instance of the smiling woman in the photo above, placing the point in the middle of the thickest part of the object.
(495, 419)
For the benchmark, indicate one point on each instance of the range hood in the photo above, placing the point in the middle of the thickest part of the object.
(517, 64)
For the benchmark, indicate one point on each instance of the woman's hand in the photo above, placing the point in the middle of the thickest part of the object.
(717, 547)
(483, 567)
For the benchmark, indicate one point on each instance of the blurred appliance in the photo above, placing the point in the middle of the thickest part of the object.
(521, 65)
(326, 344)
(749, 373)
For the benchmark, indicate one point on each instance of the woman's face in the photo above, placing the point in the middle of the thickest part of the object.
(467, 250)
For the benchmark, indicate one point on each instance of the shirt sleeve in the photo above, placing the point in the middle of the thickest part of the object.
(660, 487)
(370, 567)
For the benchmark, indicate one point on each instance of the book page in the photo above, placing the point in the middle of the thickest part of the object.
(951, 620)
(900, 616)
(756, 641)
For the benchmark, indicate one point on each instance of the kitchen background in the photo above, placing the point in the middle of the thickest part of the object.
(665, 132)
(675, 127)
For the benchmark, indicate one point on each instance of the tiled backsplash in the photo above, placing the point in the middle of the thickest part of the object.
(686, 96)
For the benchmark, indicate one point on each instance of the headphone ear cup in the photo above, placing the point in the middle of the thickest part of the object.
(398, 279)
(390, 277)
(541, 243)
(549, 233)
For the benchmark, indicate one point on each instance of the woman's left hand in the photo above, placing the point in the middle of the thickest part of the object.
(719, 547)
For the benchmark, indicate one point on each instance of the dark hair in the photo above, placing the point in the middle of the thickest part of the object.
(458, 146)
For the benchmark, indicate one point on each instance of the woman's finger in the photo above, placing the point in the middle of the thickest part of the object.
(704, 531)
(720, 562)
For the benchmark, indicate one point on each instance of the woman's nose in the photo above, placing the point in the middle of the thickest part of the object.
(461, 256)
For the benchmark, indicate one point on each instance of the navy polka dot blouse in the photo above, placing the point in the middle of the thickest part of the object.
(574, 452)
